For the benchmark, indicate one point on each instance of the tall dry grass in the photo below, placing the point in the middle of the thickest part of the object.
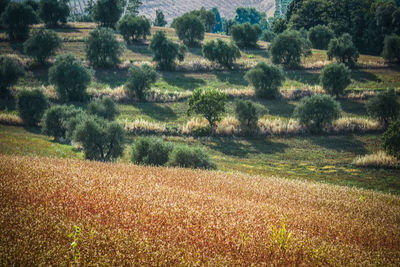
(70, 212)
(10, 119)
(377, 160)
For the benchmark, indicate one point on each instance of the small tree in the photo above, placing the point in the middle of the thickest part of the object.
(101, 140)
(391, 48)
(10, 72)
(247, 114)
(70, 78)
(207, 17)
(335, 78)
(165, 51)
(53, 12)
(209, 103)
(320, 36)
(134, 28)
(266, 80)
(108, 12)
(160, 19)
(32, 3)
(31, 105)
(384, 107)
(189, 29)
(102, 48)
(140, 80)
(344, 50)
(245, 35)
(105, 108)
(42, 45)
(288, 48)
(317, 111)
(188, 157)
(221, 52)
(150, 151)
(268, 36)
(391, 140)
(17, 17)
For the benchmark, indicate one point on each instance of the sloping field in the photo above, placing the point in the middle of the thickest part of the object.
(61, 212)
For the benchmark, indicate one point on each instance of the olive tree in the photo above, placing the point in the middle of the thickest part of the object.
(391, 48)
(245, 35)
(320, 36)
(105, 108)
(189, 29)
(160, 19)
(247, 114)
(391, 139)
(134, 27)
(384, 107)
(335, 78)
(53, 12)
(31, 105)
(10, 72)
(343, 50)
(140, 79)
(107, 12)
(42, 45)
(17, 18)
(221, 52)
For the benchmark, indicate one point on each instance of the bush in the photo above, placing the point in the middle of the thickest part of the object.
(209, 103)
(247, 115)
(266, 80)
(42, 44)
(55, 120)
(107, 12)
(245, 35)
(70, 78)
(150, 151)
(189, 29)
(140, 80)
(188, 157)
(160, 19)
(134, 27)
(165, 51)
(391, 140)
(316, 112)
(17, 17)
(268, 36)
(53, 12)
(221, 52)
(344, 50)
(288, 48)
(335, 78)
(384, 107)
(10, 72)
(391, 48)
(320, 36)
(105, 108)
(101, 140)
(102, 48)
(32, 3)
(31, 105)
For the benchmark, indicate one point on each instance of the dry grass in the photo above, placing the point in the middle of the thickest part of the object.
(144, 127)
(120, 214)
(377, 160)
(10, 119)
(354, 125)
(268, 127)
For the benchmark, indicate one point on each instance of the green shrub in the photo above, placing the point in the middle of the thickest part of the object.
(245, 35)
(102, 48)
(108, 12)
(134, 27)
(53, 12)
(320, 36)
(209, 103)
(335, 78)
(384, 107)
(344, 50)
(266, 80)
(150, 151)
(189, 29)
(317, 111)
(140, 80)
(221, 52)
(190, 157)
(42, 45)
(160, 19)
(391, 48)
(207, 17)
(17, 17)
(55, 119)
(268, 36)
(247, 115)
(31, 105)
(391, 140)
(70, 78)
(10, 72)
(32, 3)
(105, 108)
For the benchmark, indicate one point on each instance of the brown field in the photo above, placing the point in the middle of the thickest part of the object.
(63, 212)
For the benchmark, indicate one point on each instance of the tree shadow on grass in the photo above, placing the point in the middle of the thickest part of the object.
(364, 76)
(182, 81)
(340, 143)
(279, 107)
(7, 104)
(353, 107)
(140, 48)
(157, 111)
(111, 77)
(305, 77)
(232, 77)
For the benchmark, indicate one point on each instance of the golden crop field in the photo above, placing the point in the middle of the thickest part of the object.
(62, 212)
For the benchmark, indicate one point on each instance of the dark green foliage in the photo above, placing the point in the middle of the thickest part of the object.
(247, 114)
(140, 80)
(102, 48)
(207, 17)
(268, 36)
(101, 140)
(279, 26)
(344, 50)
(218, 21)
(34, 5)
(335, 78)
(150, 151)
(227, 25)
(245, 35)
(189, 28)
(209, 103)
(10, 72)
(17, 17)
(266, 80)
(247, 14)
(188, 157)
(396, 21)
(310, 14)
(288, 48)
(53, 12)
(320, 36)
(70, 78)
(105, 108)
(31, 105)
(134, 28)
(201, 131)
(165, 51)
(221, 52)
(384, 107)
(391, 140)
(107, 12)
(160, 19)
(42, 45)
(3, 5)
(391, 48)
(133, 7)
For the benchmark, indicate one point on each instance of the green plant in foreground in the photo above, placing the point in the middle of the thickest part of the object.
(76, 237)
(281, 236)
